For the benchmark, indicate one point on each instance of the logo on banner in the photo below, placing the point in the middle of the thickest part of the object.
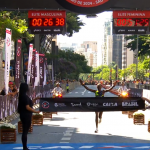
(18, 51)
(74, 105)
(92, 104)
(59, 105)
(8, 41)
(41, 60)
(45, 104)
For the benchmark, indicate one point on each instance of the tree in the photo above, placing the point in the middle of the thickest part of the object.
(143, 44)
(70, 64)
(73, 24)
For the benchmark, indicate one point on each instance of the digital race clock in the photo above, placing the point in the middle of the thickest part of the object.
(47, 22)
(138, 22)
(131, 22)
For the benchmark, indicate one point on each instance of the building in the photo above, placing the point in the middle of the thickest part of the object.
(90, 44)
(109, 49)
(90, 52)
(107, 39)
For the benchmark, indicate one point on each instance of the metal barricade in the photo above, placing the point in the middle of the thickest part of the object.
(8, 104)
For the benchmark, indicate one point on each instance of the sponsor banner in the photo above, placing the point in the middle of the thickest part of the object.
(33, 68)
(29, 63)
(135, 92)
(37, 77)
(42, 62)
(7, 57)
(130, 30)
(45, 74)
(84, 146)
(131, 14)
(18, 63)
(90, 104)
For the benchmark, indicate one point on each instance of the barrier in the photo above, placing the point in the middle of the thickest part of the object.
(91, 104)
(8, 105)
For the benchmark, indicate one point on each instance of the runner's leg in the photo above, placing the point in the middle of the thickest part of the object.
(96, 121)
(100, 116)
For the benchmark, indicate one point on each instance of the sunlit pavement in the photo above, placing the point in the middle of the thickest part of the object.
(78, 128)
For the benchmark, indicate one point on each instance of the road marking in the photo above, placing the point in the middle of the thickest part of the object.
(67, 134)
(68, 131)
(83, 92)
(64, 142)
(89, 92)
(70, 92)
(76, 92)
(66, 138)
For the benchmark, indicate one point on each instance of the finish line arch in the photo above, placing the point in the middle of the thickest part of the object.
(90, 6)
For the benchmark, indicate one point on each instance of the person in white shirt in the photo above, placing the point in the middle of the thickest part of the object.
(122, 88)
(57, 89)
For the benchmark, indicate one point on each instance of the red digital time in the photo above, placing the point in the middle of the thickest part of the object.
(38, 22)
(131, 22)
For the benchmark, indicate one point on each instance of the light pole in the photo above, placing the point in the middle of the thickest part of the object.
(137, 57)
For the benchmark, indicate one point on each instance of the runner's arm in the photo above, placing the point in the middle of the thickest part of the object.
(107, 90)
(86, 87)
(146, 99)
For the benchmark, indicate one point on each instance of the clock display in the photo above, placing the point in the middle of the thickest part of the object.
(46, 22)
(131, 22)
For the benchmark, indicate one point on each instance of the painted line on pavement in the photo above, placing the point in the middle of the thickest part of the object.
(83, 92)
(76, 92)
(89, 92)
(66, 138)
(79, 146)
(67, 135)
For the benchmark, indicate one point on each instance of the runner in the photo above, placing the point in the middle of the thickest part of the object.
(98, 93)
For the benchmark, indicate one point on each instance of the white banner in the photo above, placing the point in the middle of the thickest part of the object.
(45, 73)
(29, 63)
(7, 58)
(37, 76)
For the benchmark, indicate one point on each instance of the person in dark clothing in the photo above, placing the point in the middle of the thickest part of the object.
(25, 110)
(98, 93)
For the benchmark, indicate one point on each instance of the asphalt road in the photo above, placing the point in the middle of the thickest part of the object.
(79, 127)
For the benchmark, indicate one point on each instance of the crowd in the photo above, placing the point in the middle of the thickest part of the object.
(12, 91)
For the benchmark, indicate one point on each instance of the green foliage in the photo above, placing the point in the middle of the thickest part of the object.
(143, 44)
(73, 23)
(70, 64)
(16, 24)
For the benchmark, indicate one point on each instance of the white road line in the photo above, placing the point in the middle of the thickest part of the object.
(66, 138)
(68, 131)
(70, 92)
(83, 92)
(67, 134)
(89, 92)
(76, 92)
(70, 128)
(63, 142)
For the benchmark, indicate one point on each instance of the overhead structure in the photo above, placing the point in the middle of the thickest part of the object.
(78, 6)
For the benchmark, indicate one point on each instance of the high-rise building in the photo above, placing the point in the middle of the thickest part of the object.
(90, 44)
(106, 46)
(117, 50)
